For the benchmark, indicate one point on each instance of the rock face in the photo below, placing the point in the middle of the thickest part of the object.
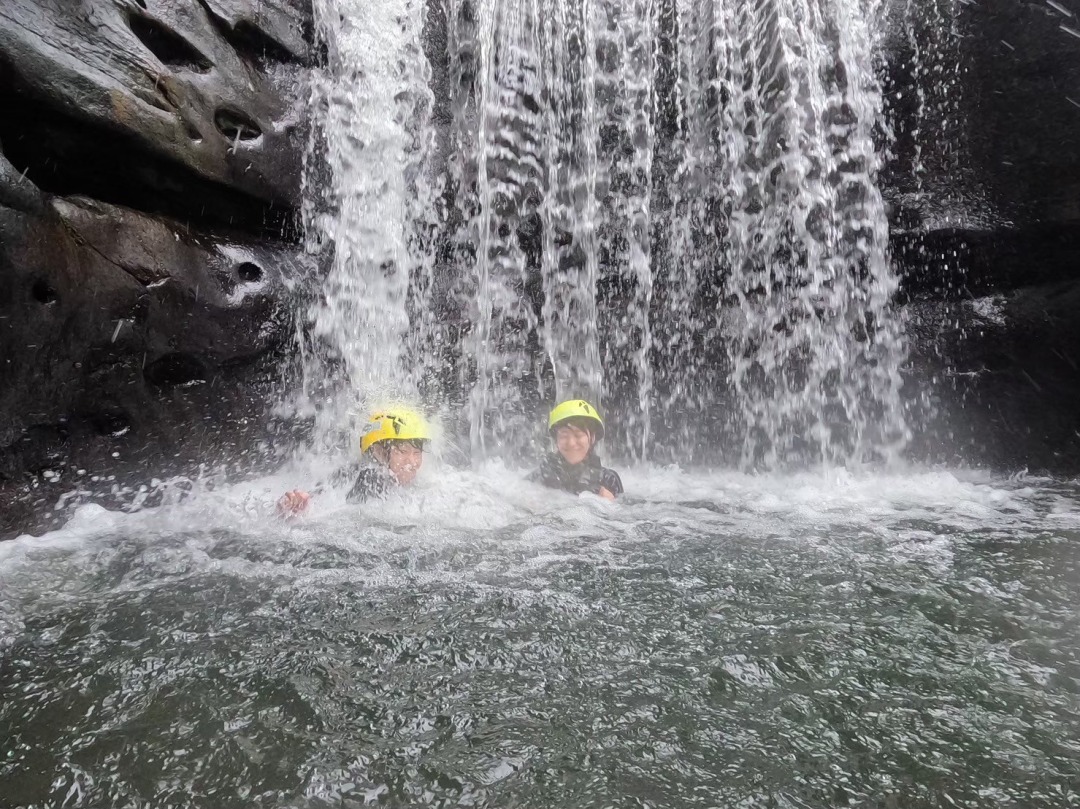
(150, 159)
(1002, 375)
(198, 86)
(990, 250)
(1021, 104)
(129, 342)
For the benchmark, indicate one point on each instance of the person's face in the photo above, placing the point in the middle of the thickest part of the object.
(403, 459)
(573, 443)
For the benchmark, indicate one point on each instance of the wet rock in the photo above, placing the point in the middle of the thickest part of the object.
(200, 87)
(987, 235)
(150, 156)
(1021, 108)
(278, 29)
(986, 114)
(16, 191)
(962, 264)
(1002, 376)
(126, 333)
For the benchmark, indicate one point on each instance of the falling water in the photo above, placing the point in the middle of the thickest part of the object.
(508, 188)
(369, 199)
(815, 350)
(571, 266)
(669, 207)
(930, 176)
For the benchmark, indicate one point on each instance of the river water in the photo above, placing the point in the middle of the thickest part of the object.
(714, 639)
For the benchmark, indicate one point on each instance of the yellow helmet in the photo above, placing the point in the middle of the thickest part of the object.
(394, 423)
(576, 409)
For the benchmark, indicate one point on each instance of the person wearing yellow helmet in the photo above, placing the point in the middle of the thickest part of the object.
(395, 438)
(575, 467)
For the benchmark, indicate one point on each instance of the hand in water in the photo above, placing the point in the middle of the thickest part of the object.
(606, 494)
(293, 504)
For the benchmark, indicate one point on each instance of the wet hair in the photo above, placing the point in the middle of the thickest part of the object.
(388, 444)
(415, 443)
(581, 423)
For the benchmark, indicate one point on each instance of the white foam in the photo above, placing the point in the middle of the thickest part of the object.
(457, 524)
(495, 497)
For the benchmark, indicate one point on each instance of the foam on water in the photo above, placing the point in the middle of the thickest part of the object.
(479, 521)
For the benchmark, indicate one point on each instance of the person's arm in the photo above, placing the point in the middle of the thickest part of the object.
(610, 484)
(295, 502)
(590, 478)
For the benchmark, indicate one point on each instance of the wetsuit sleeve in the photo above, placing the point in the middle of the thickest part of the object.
(611, 481)
(589, 479)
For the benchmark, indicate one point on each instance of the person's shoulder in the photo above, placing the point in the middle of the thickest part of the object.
(549, 471)
(370, 482)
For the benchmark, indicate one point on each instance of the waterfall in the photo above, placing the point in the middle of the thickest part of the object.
(668, 206)
(504, 151)
(369, 204)
(814, 348)
(570, 260)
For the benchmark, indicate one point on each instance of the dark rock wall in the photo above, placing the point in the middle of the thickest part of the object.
(193, 83)
(991, 294)
(1022, 107)
(150, 159)
(1004, 371)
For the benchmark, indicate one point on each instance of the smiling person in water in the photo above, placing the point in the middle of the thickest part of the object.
(395, 439)
(575, 467)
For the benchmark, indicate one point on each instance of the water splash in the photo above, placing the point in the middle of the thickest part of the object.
(392, 651)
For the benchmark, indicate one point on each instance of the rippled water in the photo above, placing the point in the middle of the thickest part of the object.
(713, 640)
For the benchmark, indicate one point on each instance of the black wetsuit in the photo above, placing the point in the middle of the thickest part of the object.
(372, 482)
(588, 476)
